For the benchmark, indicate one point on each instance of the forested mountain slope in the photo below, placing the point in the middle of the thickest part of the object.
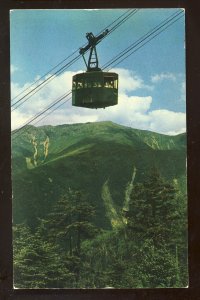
(92, 158)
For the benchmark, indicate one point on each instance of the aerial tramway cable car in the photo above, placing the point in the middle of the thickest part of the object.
(94, 88)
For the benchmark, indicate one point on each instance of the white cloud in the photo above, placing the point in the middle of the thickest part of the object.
(13, 69)
(163, 76)
(166, 121)
(130, 111)
(133, 111)
(45, 95)
(128, 81)
(19, 118)
(70, 115)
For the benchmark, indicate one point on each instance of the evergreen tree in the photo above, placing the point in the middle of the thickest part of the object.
(36, 261)
(68, 225)
(155, 219)
(67, 251)
(151, 253)
(51, 256)
(71, 221)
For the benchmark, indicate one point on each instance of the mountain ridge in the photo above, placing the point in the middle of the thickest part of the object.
(48, 160)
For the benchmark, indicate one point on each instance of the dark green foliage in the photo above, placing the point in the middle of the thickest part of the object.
(51, 256)
(37, 263)
(156, 221)
(68, 251)
(153, 210)
(151, 250)
(70, 222)
(83, 239)
(83, 157)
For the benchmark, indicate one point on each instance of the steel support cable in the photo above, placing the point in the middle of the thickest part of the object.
(115, 21)
(42, 84)
(45, 82)
(124, 58)
(41, 113)
(38, 89)
(131, 48)
(133, 12)
(146, 42)
(51, 111)
(47, 73)
(115, 65)
(66, 65)
(43, 76)
(24, 128)
(142, 39)
(54, 103)
(122, 21)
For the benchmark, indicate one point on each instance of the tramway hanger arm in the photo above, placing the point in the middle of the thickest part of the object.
(92, 42)
(94, 88)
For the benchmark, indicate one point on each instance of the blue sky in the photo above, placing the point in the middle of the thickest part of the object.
(152, 80)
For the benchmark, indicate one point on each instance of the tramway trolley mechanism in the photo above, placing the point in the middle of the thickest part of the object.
(94, 88)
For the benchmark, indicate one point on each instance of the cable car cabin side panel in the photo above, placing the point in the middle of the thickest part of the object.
(95, 89)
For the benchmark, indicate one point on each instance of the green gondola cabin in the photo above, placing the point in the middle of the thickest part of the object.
(94, 88)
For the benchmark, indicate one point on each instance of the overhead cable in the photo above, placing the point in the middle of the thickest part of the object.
(160, 28)
(30, 93)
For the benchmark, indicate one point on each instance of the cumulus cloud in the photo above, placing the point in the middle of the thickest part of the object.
(163, 76)
(13, 69)
(129, 81)
(130, 111)
(136, 112)
(166, 121)
(133, 111)
(46, 95)
(19, 118)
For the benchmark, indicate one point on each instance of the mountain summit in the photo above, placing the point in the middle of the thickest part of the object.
(101, 159)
